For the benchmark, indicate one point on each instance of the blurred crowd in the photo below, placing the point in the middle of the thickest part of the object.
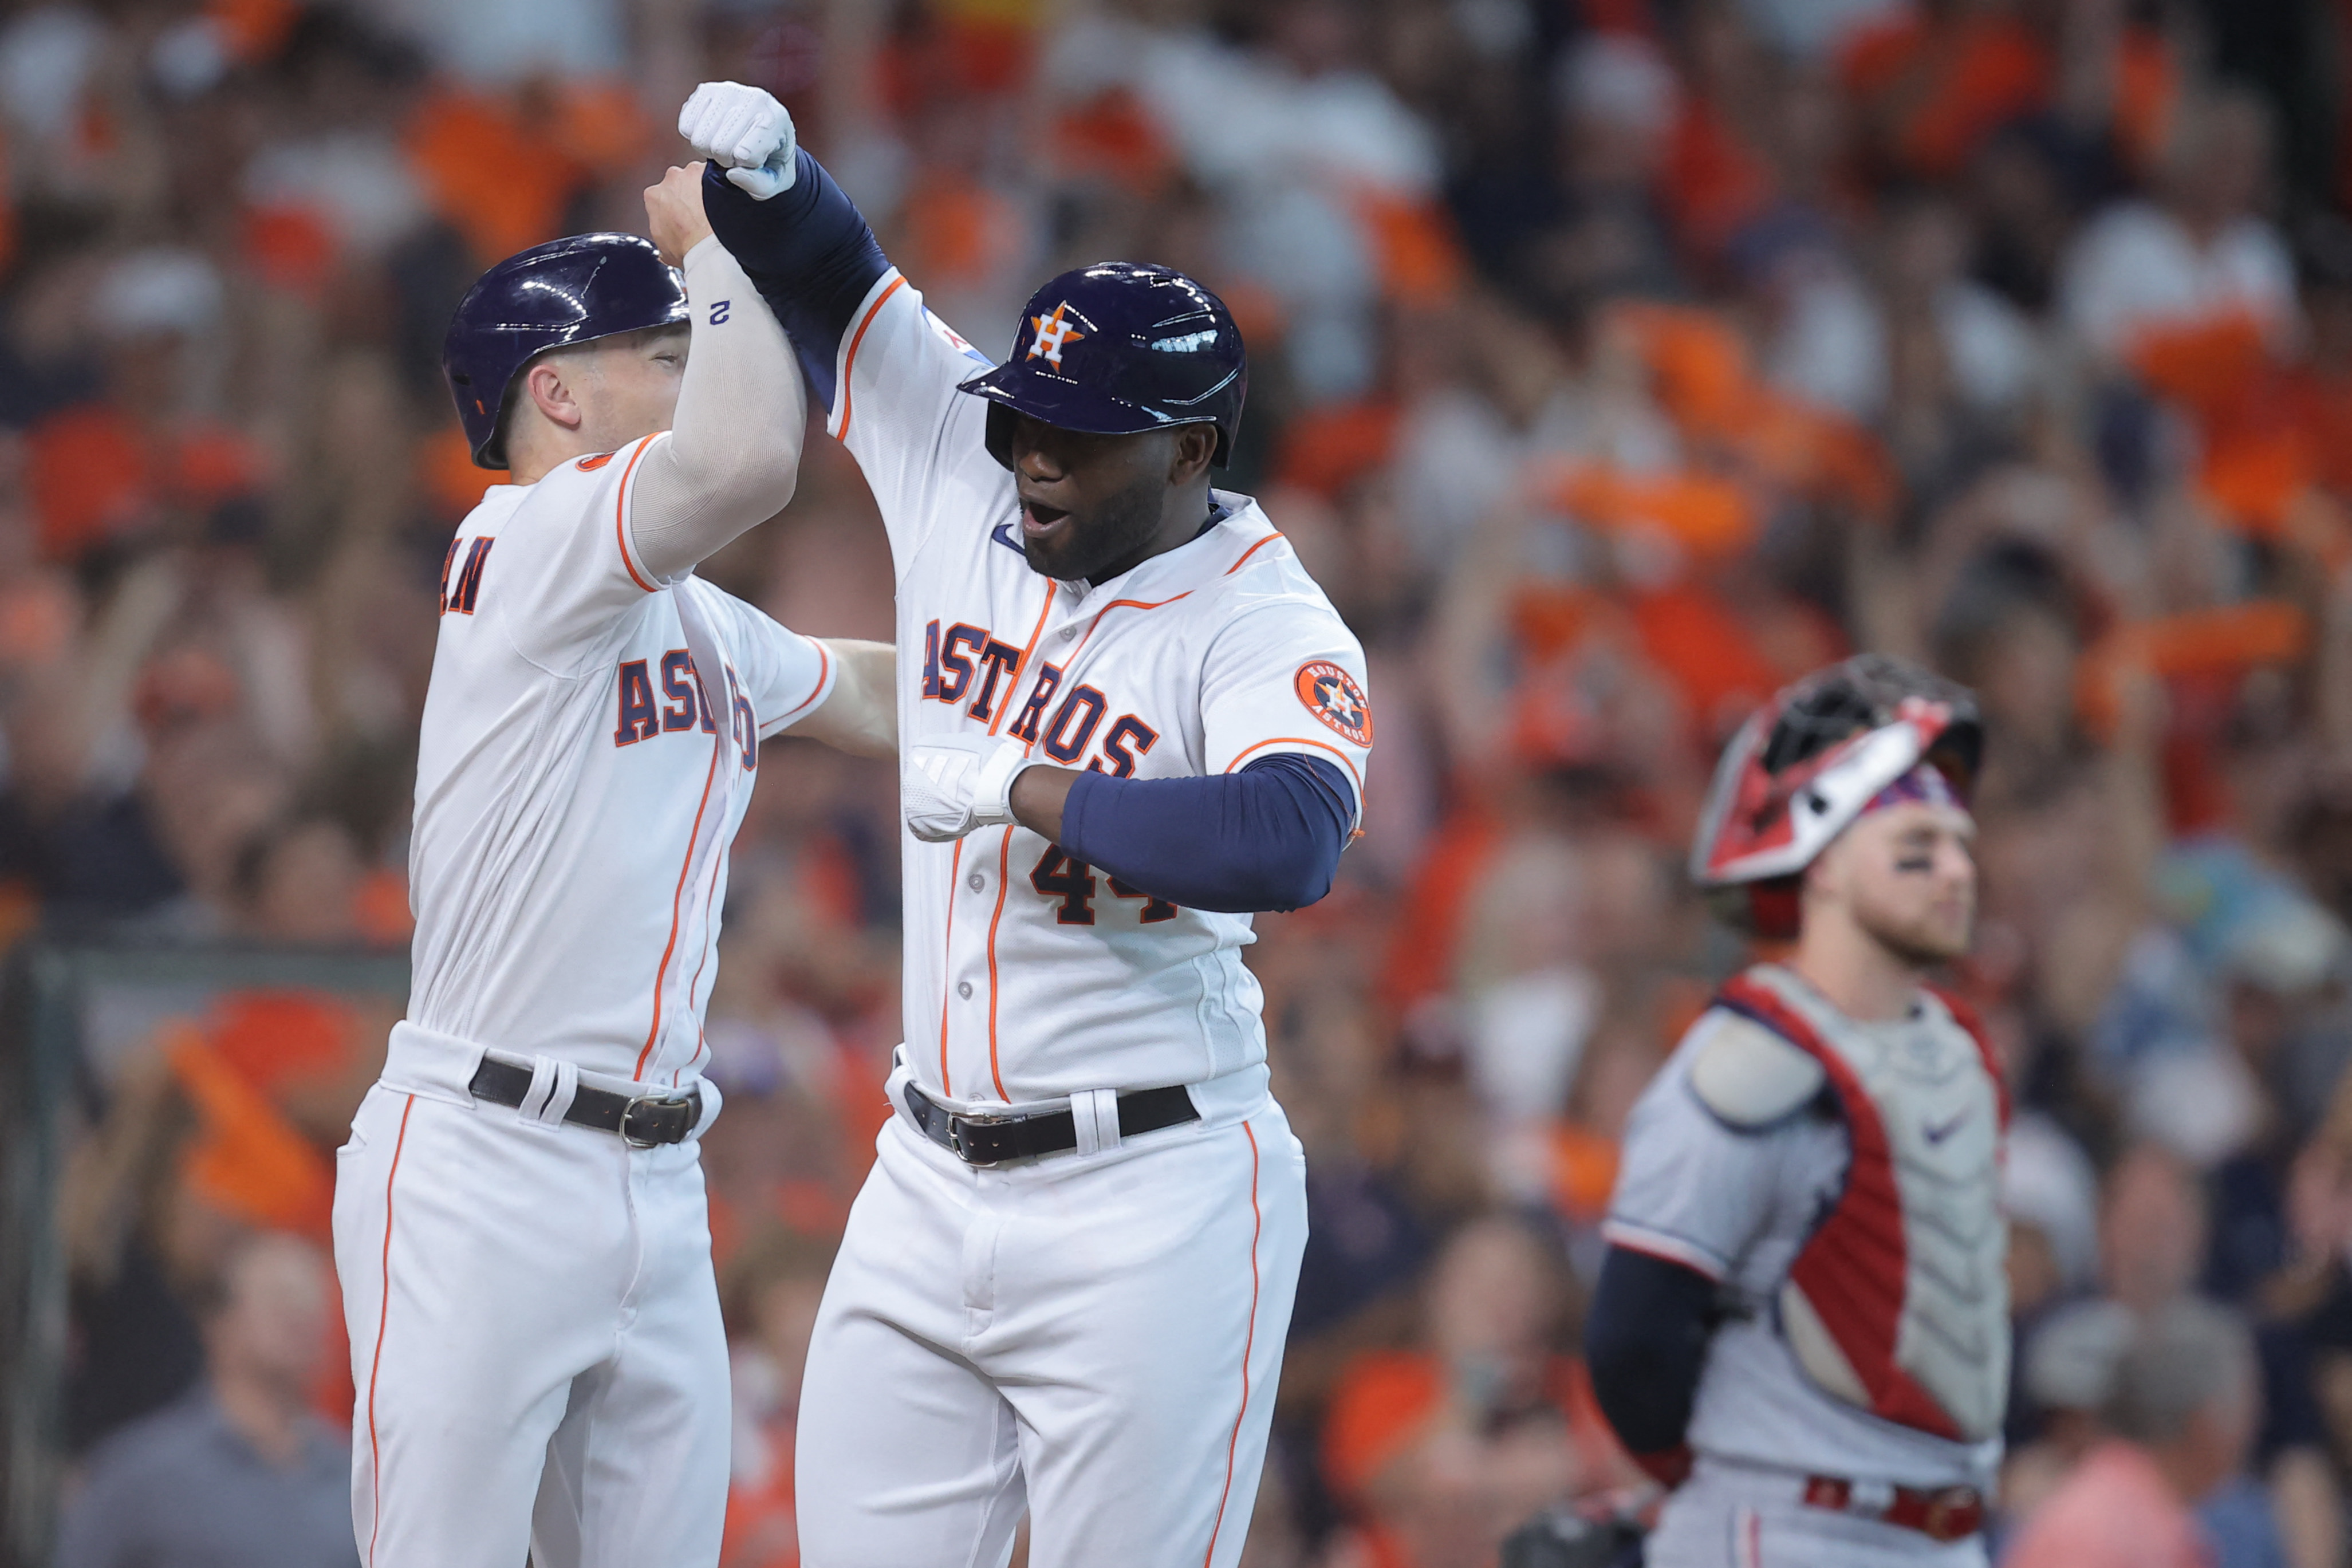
(1614, 361)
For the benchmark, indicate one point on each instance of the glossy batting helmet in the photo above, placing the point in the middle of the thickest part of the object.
(1115, 349)
(565, 292)
(1806, 765)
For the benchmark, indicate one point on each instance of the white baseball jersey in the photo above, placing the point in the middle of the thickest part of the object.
(1029, 976)
(577, 786)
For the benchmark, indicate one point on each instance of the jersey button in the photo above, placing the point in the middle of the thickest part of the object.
(1069, 632)
(963, 989)
(976, 882)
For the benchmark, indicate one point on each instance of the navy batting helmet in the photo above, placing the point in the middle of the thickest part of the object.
(565, 292)
(1119, 348)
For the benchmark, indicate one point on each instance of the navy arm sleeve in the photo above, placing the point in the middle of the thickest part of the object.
(809, 253)
(1266, 838)
(1645, 1345)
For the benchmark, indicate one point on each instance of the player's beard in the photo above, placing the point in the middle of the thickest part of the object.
(1919, 943)
(1107, 543)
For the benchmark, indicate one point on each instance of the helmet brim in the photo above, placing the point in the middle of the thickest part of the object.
(1051, 400)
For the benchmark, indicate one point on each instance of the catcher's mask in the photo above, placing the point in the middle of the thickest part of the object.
(1806, 765)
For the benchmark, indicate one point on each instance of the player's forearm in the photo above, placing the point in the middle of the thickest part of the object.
(1645, 1344)
(1266, 838)
(810, 254)
(734, 450)
(861, 715)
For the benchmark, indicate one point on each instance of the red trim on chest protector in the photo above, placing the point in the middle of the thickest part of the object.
(1854, 1267)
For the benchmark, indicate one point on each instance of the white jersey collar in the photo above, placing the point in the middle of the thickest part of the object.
(1199, 560)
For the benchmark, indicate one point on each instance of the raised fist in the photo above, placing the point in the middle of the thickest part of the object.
(746, 131)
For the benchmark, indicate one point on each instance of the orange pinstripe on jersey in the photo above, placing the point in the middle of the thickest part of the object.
(1253, 550)
(1124, 604)
(1003, 880)
(1014, 685)
(1249, 1342)
(375, 1361)
(700, 1040)
(824, 672)
(621, 515)
(662, 974)
(850, 363)
(955, 870)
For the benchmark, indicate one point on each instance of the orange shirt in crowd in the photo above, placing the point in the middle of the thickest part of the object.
(762, 1531)
(2113, 1511)
(95, 474)
(1944, 84)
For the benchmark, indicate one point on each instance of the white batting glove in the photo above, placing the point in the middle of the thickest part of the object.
(745, 130)
(952, 784)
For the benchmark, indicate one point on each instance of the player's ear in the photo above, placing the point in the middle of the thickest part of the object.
(551, 392)
(1196, 445)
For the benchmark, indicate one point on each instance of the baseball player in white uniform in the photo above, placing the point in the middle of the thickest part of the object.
(1801, 1324)
(519, 1222)
(1129, 719)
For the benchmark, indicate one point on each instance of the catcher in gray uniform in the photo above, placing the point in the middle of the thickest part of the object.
(1801, 1323)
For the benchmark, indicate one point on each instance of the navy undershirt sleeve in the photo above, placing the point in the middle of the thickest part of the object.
(1644, 1344)
(809, 253)
(1266, 838)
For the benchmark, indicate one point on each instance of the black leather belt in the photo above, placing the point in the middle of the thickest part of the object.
(993, 1139)
(641, 1120)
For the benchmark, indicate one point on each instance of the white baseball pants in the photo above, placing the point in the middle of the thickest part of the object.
(535, 1333)
(1730, 1516)
(1093, 1337)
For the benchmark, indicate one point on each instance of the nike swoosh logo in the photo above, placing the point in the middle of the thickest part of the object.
(1004, 536)
(1937, 1134)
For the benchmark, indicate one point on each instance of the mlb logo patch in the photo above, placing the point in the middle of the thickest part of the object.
(1332, 695)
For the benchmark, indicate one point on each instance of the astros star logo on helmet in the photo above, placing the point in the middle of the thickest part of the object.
(1054, 333)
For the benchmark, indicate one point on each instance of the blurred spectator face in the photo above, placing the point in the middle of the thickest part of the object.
(2220, 159)
(1616, 1069)
(2021, 204)
(2033, 1266)
(1619, 100)
(304, 885)
(1907, 875)
(785, 1318)
(2025, 680)
(270, 1326)
(1925, 249)
(601, 395)
(2327, 312)
(1493, 1302)
(2187, 1388)
(2151, 1231)
(1314, 37)
(209, 793)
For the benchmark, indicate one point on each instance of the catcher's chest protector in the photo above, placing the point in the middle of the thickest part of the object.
(1898, 1302)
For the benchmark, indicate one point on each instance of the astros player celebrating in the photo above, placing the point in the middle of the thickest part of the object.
(519, 1222)
(1129, 719)
(1802, 1319)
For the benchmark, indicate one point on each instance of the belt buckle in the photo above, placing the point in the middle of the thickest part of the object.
(645, 1102)
(1947, 1511)
(957, 1122)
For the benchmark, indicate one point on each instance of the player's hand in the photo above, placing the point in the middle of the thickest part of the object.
(950, 784)
(674, 218)
(744, 131)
